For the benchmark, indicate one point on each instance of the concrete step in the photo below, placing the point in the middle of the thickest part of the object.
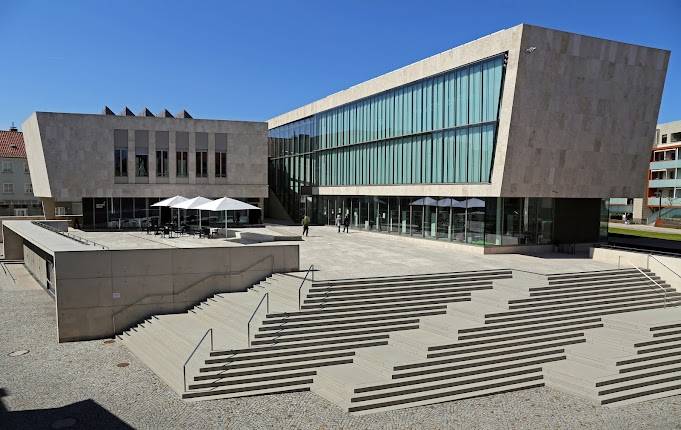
(258, 364)
(213, 373)
(586, 287)
(397, 288)
(455, 392)
(304, 351)
(340, 333)
(322, 314)
(251, 389)
(593, 273)
(226, 381)
(304, 344)
(269, 325)
(528, 343)
(432, 367)
(404, 278)
(292, 331)
(376, 294)
(435, 297)
(568, 308)
(578, 313)
(576, 298)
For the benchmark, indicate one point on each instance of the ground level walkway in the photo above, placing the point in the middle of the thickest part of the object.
(89, 385)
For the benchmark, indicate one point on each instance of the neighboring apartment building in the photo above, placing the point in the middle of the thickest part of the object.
(16, 189)
(111, 168)
(664, 180)
(517, 138)
(662, 192)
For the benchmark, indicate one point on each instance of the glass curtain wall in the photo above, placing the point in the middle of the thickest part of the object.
(491, 221)
(440, 129)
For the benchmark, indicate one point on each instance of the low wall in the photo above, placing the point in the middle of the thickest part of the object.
(667, 268)
(18, 218)
(36, 266)
(103, 292)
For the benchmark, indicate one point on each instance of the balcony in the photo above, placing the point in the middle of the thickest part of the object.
(666, 201)
(667, 164)
(664, 183)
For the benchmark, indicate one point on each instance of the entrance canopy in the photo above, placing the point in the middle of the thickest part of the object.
(225, 204)
(191, 203)
(170, 202)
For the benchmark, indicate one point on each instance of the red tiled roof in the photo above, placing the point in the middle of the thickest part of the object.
(12, 144)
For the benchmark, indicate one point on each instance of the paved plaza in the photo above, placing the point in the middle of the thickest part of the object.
(81, 384)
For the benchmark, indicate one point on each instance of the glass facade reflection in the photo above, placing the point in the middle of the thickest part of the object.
(492, 221)
(438, 130)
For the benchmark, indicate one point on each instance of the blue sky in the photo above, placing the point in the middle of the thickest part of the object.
(255, 59)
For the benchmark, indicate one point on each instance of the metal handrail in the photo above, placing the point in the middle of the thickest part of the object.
(311, 269)
(664, 291)
(664, 265)
(69, 235)
(184, 368)
(248, 326)
(188, 287)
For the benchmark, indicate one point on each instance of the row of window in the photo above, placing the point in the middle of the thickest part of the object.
(8, 188)
(463, 97)
(8, 166)
(162, 164)
(675, 137)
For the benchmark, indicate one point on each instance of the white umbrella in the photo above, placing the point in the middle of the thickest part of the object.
(192, 204)
(168, 203)
(226, 204)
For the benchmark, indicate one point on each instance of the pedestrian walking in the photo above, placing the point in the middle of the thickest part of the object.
(346, 224)
(338, 222)
(306, 225)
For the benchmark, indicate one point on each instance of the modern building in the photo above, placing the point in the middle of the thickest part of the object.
(110, 168)
(16, 194)
(517, 138)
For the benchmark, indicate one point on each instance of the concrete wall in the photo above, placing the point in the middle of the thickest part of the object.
(62, 149)
(13, 245)
(36, 266)
(97, 290)
(668, 268)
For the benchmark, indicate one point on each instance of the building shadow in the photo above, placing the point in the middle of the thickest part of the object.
(86, 414)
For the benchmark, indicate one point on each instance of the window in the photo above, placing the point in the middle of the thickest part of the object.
(201, 164)
(220, 164)
(181, 162)
(20, 212)
(141, 162)
(162, 163)
(28, 188)
(120, 162)
(60, 210)
(8, 188)
(664, 138)
(7, 166)
(676, 137)
(26, 169)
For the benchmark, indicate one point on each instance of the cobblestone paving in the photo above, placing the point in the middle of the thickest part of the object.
(80, 384)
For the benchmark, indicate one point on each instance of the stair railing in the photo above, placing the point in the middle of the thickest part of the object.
(676, 283)
(190, 286)
(664, 290)
(300, 289)
(248, 326)
(184, 368)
